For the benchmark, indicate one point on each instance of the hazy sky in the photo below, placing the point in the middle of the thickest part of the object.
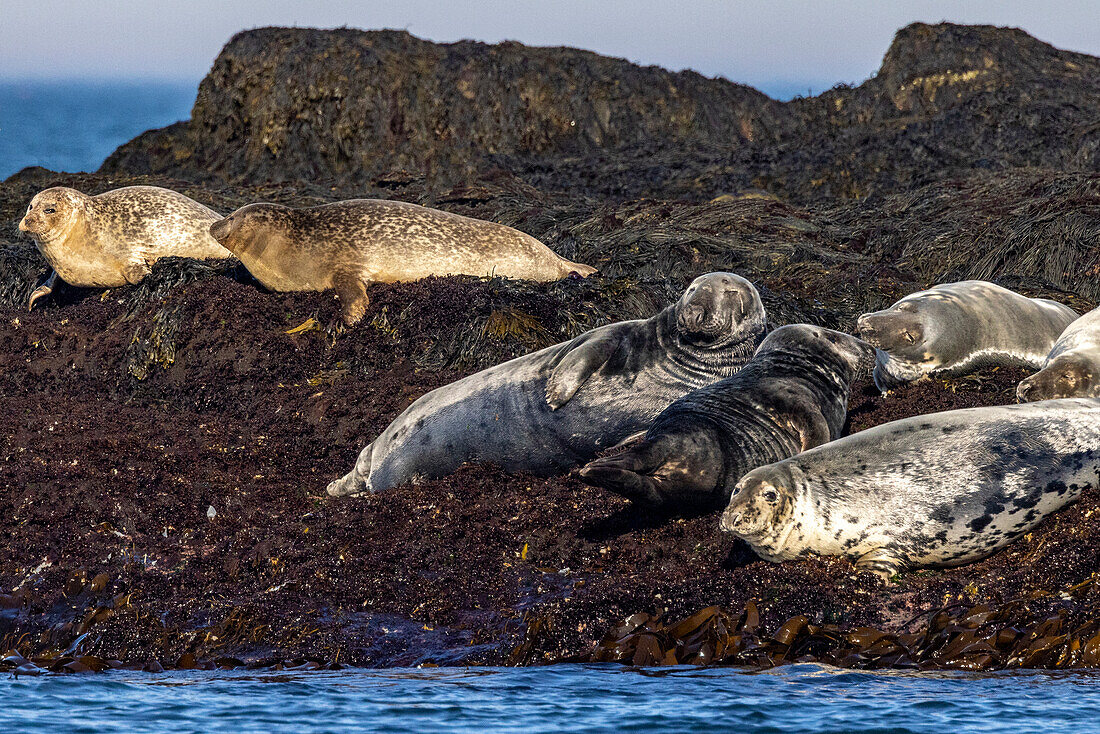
(767, 44)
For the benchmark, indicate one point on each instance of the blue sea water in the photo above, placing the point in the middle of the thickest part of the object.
(569, 698)
(74, 125)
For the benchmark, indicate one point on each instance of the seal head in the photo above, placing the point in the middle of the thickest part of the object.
(53, 215)
(249, 228)
(761, 502)
(718, 307)
(901, 336)
(1070, 375)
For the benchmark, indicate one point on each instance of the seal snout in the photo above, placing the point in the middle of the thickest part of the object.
(219, 230)
(730, 520)
(865, 329)
(693, 318)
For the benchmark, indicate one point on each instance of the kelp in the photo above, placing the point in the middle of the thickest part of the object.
(959, 637)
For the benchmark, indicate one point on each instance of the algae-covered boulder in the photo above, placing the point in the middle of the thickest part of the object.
(347, 106)
(289, 103)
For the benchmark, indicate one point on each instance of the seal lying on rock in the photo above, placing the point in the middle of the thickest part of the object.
(934, 490)
(792, 396)
(349, 244)
(113, 238)
(1072, 369)
(959, 327)
(551, 410)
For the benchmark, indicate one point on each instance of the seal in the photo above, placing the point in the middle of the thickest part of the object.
(113, 238)
(552, 410)
(1072, 369)
(957, 328)
(937, 490)
(792, 396)
(348, 245)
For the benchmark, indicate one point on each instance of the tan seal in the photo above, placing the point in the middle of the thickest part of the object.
(113, 238)
(347, 245)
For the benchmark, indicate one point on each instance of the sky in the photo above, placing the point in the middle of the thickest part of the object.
(776, 45)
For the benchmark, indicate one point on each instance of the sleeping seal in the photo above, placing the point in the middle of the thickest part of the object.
(113, 238)
(934, 490)
(349, 244)
(959, 327)
(792, 396)
(1072, 369)
(554, 409)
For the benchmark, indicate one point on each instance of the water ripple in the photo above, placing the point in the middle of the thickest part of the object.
(583, 699)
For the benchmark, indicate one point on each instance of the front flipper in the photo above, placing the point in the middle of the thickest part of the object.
(135, 272)
(881, 562)
(628, 474)
(43, 290)
(576, 366)
(814, 431)
(352, 292)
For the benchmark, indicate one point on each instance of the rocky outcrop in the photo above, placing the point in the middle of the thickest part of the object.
(346, 106)
(286, 104)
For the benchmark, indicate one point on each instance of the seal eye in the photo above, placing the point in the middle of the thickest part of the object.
(771, 496)
(909, 337)
(51, 210)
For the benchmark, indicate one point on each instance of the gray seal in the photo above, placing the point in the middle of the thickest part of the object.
(347, 245)
(1072, 369)
(935, 490)
(552, 410)
(956, 328)
(113, 238)
(792, 396)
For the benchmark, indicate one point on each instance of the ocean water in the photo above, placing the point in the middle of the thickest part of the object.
(74, 125)
(568, 698)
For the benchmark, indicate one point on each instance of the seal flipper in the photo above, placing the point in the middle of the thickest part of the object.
(135, 272)
(628, 474)
(814, 431)
(578, 364)
(881, 562)
(43, 290)
(352, 292)
(684, 470)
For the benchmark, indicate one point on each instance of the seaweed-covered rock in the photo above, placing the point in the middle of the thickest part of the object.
(343, 105)
(290, 104)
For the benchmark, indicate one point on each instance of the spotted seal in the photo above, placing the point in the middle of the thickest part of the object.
(554, 409)
(942, 489)
(959, 327)
(1072, 369)
(113, 238)
(347, 245)
(792, 396)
